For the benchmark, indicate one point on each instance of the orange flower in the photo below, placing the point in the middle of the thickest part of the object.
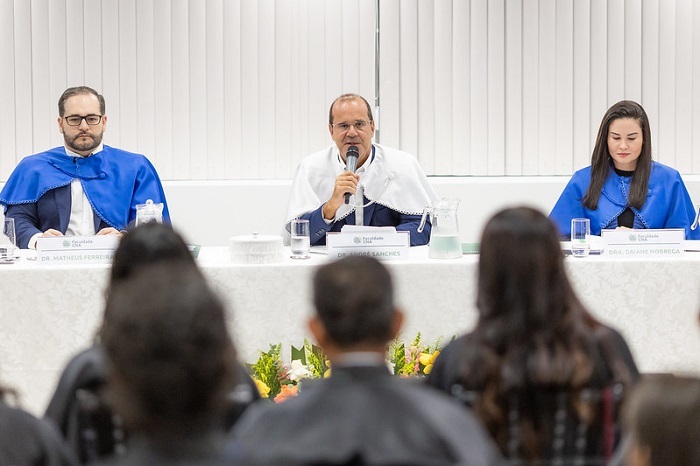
(287, 391)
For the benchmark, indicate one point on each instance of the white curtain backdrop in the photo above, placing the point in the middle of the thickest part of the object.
(239, 89)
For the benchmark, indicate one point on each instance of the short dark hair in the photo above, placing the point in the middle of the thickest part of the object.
(171, 361)
(354, 300)
(147, 244)
(350, 97)
(78, 90)
(662, 414)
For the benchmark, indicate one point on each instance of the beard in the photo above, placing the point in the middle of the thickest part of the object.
(79, 144)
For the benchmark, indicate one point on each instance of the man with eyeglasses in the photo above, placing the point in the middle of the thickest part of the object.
(388, 188)
(84, 187)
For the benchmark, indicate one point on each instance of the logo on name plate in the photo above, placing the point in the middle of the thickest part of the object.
(66, 243)
(357, 240)
(643, 237)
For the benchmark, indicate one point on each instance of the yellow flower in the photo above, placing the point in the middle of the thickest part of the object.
(263, 389)
(425, 358)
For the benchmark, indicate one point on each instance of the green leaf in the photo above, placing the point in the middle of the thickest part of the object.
(299, 354)
(267, 368)
(416, 341)
(397, 355)
(316, 358)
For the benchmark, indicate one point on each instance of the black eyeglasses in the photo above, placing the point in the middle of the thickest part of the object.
(75, 120)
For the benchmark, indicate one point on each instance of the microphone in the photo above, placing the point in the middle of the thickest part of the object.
(351, 157)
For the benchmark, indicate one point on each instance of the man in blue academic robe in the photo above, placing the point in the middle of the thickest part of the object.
(83, 188)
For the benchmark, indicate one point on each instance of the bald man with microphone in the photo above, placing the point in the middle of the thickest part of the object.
(357, 182)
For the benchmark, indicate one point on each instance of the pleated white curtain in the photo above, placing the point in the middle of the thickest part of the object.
(518, 87)
(239, 89)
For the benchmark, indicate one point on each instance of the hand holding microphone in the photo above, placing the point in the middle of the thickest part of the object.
(345, 185)
(351, 157)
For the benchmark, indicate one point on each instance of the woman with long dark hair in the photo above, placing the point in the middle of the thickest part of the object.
(536, 362)
(623, 187)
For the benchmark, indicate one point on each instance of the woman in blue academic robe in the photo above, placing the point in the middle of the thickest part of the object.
(623, 187)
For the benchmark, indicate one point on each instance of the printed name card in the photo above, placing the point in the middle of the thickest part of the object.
(383, 243)
(76, 249)
(644, 243)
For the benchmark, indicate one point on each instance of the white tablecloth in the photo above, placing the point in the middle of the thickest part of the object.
(49, 312)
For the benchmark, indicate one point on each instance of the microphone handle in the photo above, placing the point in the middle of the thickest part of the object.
(351, 166)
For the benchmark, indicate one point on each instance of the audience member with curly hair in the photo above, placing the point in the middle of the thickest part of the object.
(170, 367)
(77, 406)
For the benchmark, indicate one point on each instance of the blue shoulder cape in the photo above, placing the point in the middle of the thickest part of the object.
(114, 181)
(668, 203)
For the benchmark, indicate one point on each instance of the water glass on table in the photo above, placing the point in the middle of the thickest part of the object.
(580, 237)
(8, 241)
(300, 242)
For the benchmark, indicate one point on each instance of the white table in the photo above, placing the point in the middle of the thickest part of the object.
(49, 312)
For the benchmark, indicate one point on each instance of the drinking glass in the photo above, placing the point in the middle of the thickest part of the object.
(580, 237)
(8, 241)
(300, 242)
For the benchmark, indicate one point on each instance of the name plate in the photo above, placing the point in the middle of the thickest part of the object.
(76, 249)
(378, 242)
(644, 243)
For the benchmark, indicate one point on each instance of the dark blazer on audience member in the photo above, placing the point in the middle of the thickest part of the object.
(616, 354)
(210, 449)
(86, 370)
(364, 415)
(26, 440)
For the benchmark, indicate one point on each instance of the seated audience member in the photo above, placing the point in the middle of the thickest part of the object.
(77, 405)
(171, 366)
(623, 187)
(26, 440)
(542, 375)
(662, 419)
(389, 185)
(361, 414)
(82, 187)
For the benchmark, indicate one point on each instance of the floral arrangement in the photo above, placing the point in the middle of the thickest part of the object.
(414, 360)
(278, 381)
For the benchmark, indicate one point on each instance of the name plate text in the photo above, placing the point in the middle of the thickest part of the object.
(380, 244)
(644, 243)
(76, 249)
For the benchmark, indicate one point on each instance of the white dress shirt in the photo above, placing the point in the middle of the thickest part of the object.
(82, 217)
